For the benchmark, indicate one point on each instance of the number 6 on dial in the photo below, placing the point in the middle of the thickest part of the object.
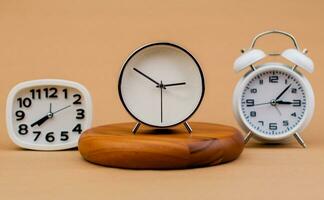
(48, 114)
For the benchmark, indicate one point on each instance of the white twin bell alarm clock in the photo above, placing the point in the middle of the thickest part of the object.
(273, 101)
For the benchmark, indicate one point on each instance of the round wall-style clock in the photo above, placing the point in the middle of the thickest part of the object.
(48, 114)
(273, 101)
(161, 85)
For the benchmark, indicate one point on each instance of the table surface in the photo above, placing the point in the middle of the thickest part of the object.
(87, 41)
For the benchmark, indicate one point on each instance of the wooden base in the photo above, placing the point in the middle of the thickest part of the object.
(114, 145)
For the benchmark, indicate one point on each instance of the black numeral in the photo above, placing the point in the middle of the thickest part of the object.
(261, 122)
(36, 93)
(23, 129)
(50, 92)
(78, 99)
(77, 128)
(64, 136)
(50, 137)
(273, 126)
(26, 102)
(293, 90)
(80, 113)
(253, 90)
(20, 115)
(252, 113)
(273, 79)
(285, 123)
(261, 82)
(250, 102)
(296, 102)
(38, 133)
(293, 114)
(65, 93)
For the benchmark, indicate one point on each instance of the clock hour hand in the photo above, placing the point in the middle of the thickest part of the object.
(283, 92)
(146, 76)
(43, 119)
(174, 84)
(40, 121)
(284, 102)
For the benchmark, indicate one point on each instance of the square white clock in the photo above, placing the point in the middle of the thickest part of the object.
(48, 114)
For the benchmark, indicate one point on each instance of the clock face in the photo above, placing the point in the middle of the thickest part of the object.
(161, 85)
(48, 115)
(273, 102)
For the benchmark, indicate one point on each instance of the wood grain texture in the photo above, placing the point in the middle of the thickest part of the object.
(115, 146)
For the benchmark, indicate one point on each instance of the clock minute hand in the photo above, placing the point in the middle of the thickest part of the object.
(283, 92)
(146, 76)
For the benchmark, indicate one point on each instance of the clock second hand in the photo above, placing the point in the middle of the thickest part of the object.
(260, 104)
(62, 109)
(278, 110)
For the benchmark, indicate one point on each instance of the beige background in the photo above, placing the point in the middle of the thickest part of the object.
(87, 41)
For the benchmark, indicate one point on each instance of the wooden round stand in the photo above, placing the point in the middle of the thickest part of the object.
(114, 145)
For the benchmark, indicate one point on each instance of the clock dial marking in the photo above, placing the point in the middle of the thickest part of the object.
(261, 116)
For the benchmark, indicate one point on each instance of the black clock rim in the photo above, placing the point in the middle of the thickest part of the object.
(166, 44)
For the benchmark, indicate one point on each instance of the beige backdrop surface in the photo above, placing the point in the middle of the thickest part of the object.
(87, 41)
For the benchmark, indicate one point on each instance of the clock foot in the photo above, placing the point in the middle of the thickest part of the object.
(189, 129)
(137, 125)
(299, 140)
(248, 137)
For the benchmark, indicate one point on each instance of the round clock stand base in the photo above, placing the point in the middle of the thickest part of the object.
(115, 146)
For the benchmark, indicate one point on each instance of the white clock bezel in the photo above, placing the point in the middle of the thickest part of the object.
(45, 82)
(310, 105)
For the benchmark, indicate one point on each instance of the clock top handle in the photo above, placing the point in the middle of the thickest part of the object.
(275, 32)
(294, 55)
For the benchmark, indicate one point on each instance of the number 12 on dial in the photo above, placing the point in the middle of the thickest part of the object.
(48, 114)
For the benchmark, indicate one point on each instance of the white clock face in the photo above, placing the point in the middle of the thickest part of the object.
(48, 117)
(161, 85)
(273, 102)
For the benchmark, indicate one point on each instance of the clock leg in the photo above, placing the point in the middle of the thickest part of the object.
(189, 129)
(248, 137)
(299, 140)
(137, 125)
